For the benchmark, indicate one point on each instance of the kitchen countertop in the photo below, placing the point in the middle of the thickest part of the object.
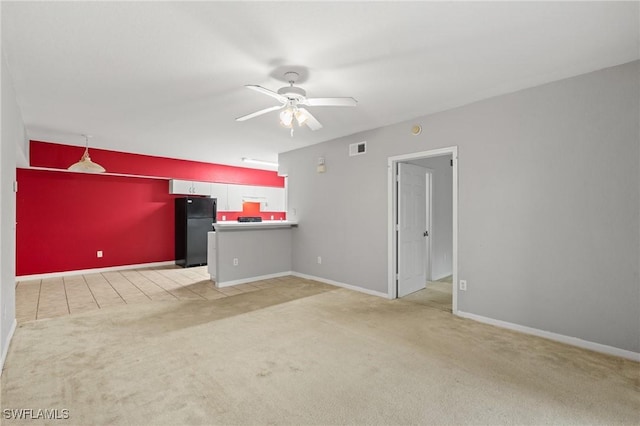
(265, 224)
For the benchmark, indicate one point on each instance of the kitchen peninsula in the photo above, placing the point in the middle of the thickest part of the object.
(243, 252)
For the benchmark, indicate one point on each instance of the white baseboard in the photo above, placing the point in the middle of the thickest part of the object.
(5, 345)
(93, 271)
(343, 285)
(573, 341)
(252, 279)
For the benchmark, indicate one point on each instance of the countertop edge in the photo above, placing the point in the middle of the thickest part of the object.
(225, 226)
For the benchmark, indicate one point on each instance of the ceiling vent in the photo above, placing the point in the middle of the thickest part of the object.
(357, 148)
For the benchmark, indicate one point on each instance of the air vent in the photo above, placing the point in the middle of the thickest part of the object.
(357, 148)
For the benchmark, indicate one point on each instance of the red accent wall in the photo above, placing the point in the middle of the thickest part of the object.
(65, 218)
(58, 156)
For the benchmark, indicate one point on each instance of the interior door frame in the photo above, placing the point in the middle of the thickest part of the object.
(392, 204)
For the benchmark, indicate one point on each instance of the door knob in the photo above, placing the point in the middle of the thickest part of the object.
(425, 234)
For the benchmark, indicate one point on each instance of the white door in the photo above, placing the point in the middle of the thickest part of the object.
(412, 228)
(427, 247)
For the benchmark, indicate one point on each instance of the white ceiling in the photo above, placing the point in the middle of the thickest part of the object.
(166, 78)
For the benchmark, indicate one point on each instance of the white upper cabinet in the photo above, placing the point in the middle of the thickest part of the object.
(271, 199)
(219, 191)
(179, 186)
(230, 197)
(237, 195)
(275, 199)
(201, 188)
(188, 187)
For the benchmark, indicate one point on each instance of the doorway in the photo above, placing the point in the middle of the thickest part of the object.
(411, 262)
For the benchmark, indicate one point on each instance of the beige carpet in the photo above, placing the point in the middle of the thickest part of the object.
(306, 353)
(436, 294)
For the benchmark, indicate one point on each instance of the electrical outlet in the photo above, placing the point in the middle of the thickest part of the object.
(319, 260)
(99, 253)
(272, 216)
(224, 217)
(463, 285)
(235, 261)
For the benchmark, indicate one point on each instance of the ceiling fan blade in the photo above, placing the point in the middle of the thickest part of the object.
(257, 113)
(309, 120)
(268, 92)
(330, 102)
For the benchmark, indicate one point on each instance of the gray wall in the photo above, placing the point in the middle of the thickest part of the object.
(441, 232)
(259, 252)
(13, 140)
(549, 202)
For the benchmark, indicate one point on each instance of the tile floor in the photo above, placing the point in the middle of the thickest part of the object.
(54, 297)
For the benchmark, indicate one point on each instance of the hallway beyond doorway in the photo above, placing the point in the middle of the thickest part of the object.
(437, 294)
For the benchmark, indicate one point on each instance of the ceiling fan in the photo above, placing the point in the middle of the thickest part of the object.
(292, 98)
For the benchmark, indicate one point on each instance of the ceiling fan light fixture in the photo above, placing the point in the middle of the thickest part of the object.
(301, 117)
(286, 118)
(85, 164)
(292, 100)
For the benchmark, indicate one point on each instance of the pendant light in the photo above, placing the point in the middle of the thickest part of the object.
(85, 164)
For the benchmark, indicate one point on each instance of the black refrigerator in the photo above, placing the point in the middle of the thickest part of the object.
(194, 218)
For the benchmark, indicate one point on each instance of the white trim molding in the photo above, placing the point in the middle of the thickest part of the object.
(573, 341)
(343, 285)
(93, 271)
(6, 345)
(252, 279)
